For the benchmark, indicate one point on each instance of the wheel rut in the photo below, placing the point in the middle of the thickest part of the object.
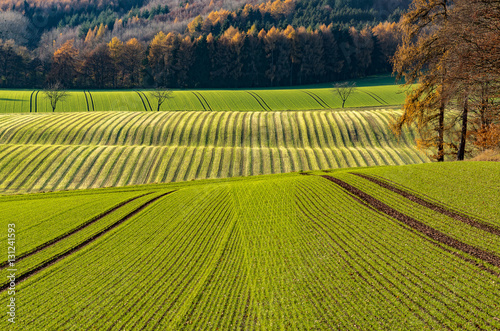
(417, 225)
(84, 243)
(432, 205)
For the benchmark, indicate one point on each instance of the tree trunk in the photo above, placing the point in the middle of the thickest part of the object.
(440, 155)
(463, 138)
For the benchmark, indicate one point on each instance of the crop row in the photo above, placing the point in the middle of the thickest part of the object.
(288, 252)
(406, 271)
(153, 267)
(46, 219)
(15, 101)
(221, 129)
(33, 168)
(446, 224)
(54, 248)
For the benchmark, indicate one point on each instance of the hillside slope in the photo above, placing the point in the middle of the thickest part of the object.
(321, 251)
(44, 152)
(26, 101)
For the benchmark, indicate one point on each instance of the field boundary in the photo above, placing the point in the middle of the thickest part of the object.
(432, 205)
(417, 225)
(86, 242)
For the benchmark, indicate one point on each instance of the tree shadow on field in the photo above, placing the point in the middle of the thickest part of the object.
(8, 99)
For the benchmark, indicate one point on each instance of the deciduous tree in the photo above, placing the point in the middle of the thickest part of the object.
(55, 93)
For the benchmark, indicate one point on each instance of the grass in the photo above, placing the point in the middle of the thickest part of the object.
(488, 155)
(44, 152)
(372, 93)
(285, 251)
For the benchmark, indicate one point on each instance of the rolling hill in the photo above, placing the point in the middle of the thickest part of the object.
(61, 151)
(407, 247)
(315, 98)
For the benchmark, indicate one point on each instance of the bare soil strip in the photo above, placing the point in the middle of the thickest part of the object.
(73, 231)
(62, 255)
(434, 206)
(417, 225)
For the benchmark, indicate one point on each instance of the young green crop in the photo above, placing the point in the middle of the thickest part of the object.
(91, 150)
(271, 252)
(22, 101)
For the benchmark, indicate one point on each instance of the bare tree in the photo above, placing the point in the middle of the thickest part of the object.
(55, 93)
(344, 90)
(161, 95)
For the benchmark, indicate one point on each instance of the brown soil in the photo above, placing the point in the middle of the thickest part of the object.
(417, 225)
(434, 206)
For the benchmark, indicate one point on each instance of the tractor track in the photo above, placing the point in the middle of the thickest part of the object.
(146, 97)
(261, 102)
(417, 225)
(91, 99)
(31, 101)
(376, 98)
(86, 99)
(316, 98)
(258, 101)
(86, 242)
(36, 101)
(434, 206)
(143, 103)
(197, 97)
(72, 231)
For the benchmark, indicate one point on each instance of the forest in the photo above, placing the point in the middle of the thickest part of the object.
(195, 44)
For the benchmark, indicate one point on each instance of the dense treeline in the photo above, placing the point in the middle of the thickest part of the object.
(214, 51)
(234, 59)
(309, 13)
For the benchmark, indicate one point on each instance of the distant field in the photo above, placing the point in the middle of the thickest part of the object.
(397, 248)
(14, 101)
(43, 152)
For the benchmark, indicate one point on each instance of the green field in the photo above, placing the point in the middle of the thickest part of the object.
(45, 152)
(316, 98)
(325, 250)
